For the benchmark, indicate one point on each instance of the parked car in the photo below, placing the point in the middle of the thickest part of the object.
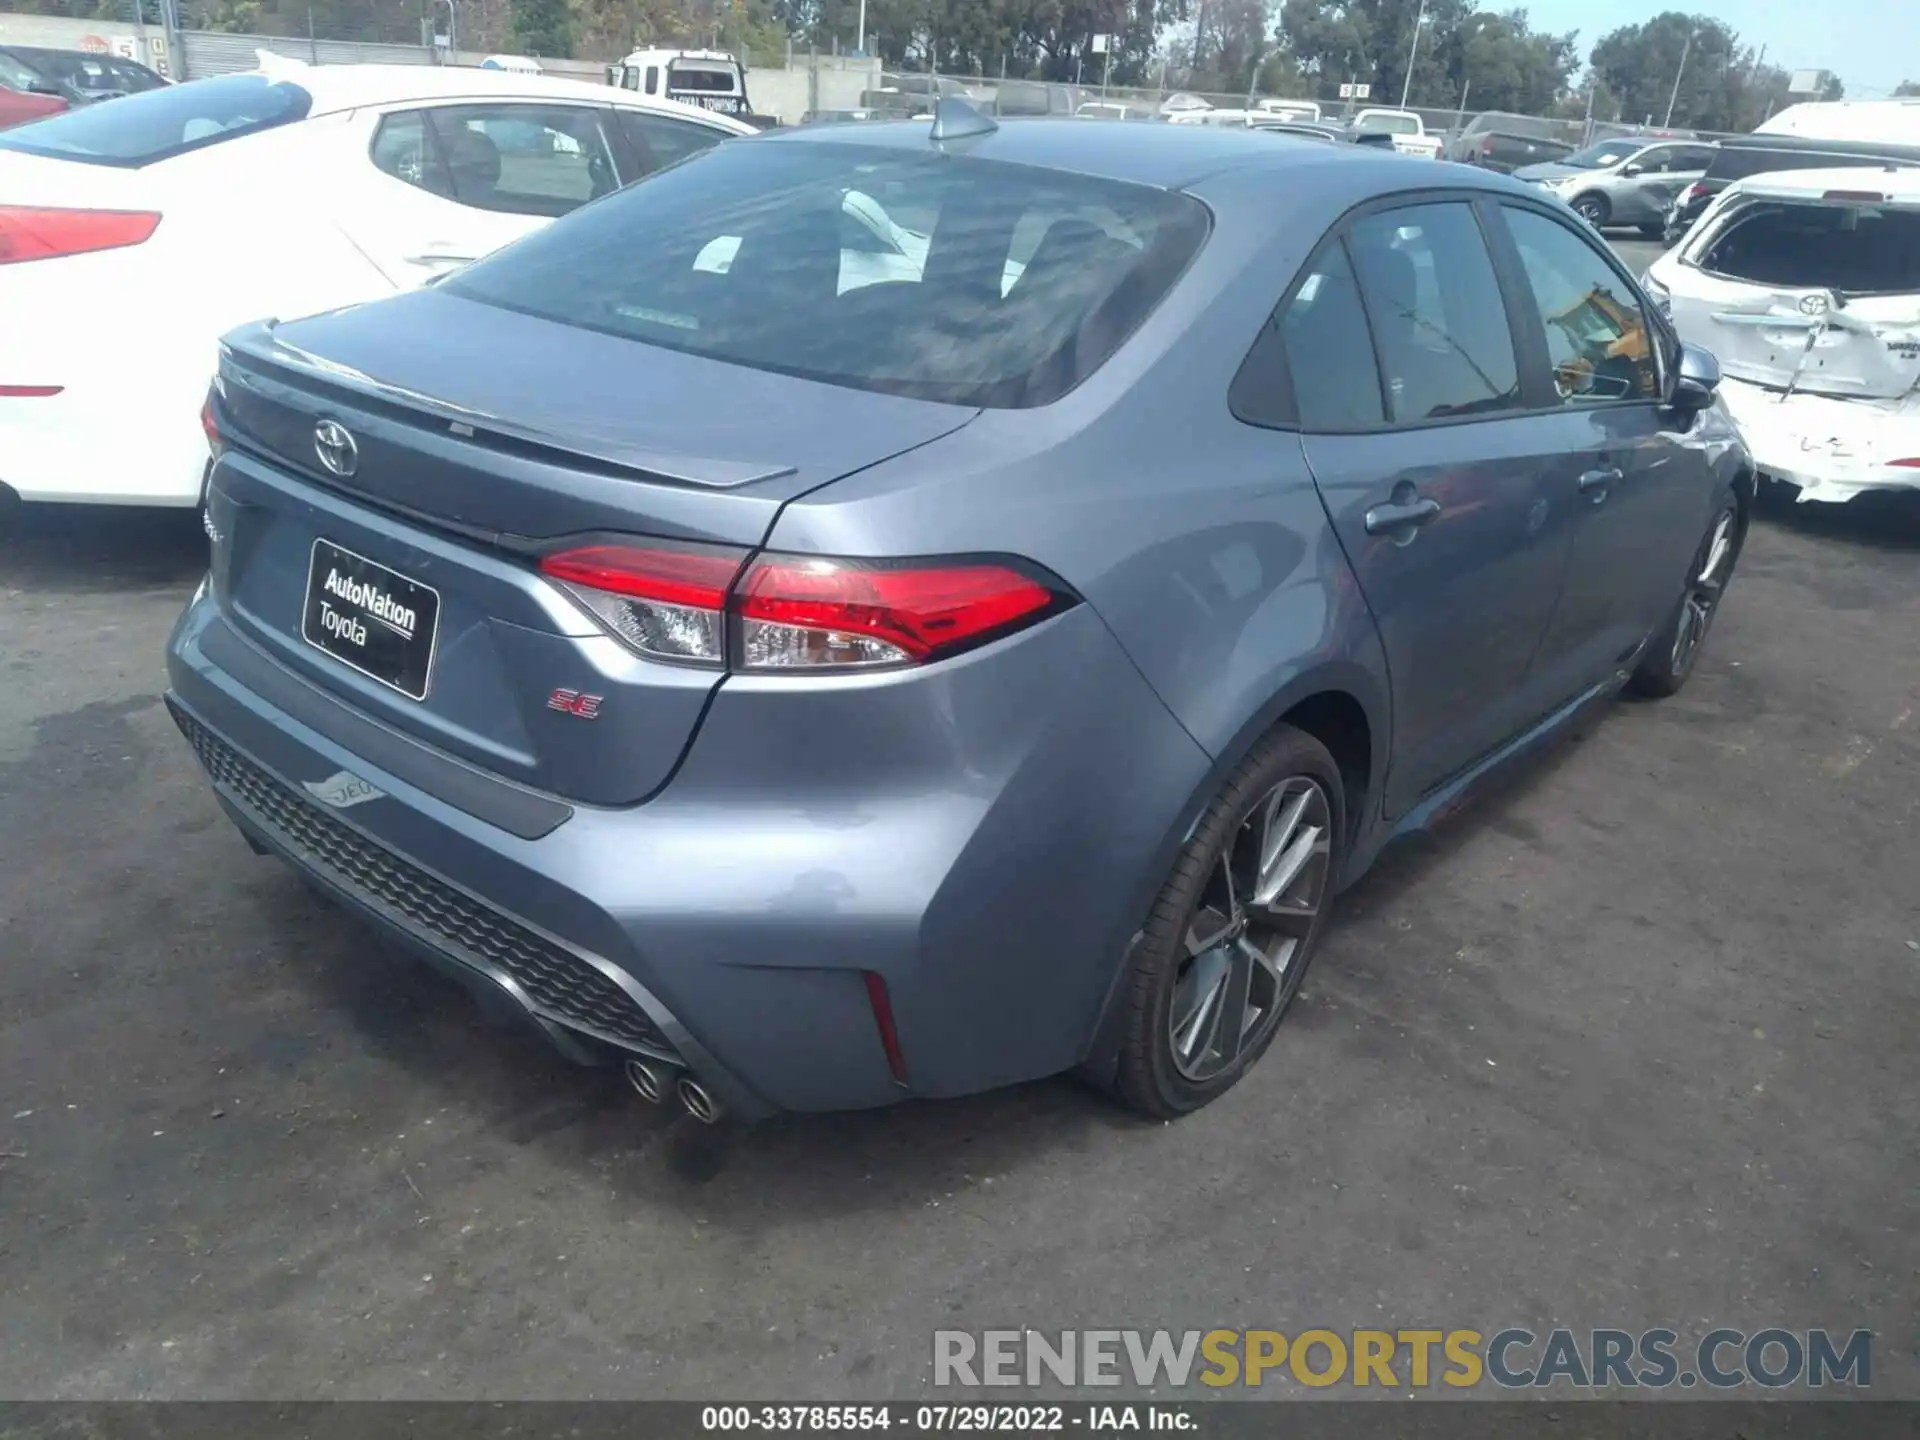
(25, 94)
(1741, 156)
(936, 684)
(1806, 284)
(81, 77)
(1501, 142)
(1407, 130)
(360, 180)
(1307, 110)
(1307, 129)
(1637, 189)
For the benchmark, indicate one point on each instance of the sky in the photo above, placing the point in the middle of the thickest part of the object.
(1872, 45)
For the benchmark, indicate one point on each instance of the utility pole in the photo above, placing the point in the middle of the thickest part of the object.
(860, 35)
(1413, 53)
(1593, 89)
(1673, 99)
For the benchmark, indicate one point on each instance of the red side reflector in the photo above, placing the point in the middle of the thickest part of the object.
(29, 392)
(27, 233)
(883, 1022)
(922, 612)
(696, 577)
(1864, 197)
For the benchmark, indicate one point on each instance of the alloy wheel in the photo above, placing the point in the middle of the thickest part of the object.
(1590, 210)
(1249, 931)
(1704, 589)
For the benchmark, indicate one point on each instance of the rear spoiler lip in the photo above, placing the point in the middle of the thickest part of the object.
(596, 452)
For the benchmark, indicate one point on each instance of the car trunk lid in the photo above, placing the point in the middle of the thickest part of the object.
(480, 439)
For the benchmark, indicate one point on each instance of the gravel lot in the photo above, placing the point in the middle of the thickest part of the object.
(1632, 1044)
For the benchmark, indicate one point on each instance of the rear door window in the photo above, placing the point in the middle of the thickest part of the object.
(158, 124)
(929, 275)
(660, 140)
(1439, 324)
(1597, 337)
(525, 159)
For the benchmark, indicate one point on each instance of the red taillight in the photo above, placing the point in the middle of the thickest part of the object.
(29, 233)
(793, 612)
(667, 601)
(1696, 192)
(1486, 146)
(799, 612)
(1912, 462)
(210, 425)
(882, 1004)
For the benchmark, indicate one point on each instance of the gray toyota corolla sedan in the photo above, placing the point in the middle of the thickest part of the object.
(895, 609)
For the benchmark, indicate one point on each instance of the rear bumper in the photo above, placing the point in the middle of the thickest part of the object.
(985, 839)
(1829, 449)
(93, 445)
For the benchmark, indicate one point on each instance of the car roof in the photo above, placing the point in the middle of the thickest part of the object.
(1169, 157)
(1901, 185)
(349, 87)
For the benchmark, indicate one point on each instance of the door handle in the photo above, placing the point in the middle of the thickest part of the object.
(1401, 520)
(434, 255)
(1597, 482)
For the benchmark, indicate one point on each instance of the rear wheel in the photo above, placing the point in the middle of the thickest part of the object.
(1671, 654)
(1229, 939)
(1654, 232)
(1593, 208)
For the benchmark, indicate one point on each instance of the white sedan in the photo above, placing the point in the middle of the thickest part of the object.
(133, 235)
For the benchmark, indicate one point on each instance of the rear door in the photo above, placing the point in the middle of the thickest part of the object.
(433, 187)
(1440, 487)
(1637, 488)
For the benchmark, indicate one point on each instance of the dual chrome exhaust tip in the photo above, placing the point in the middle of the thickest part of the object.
(654, 1080)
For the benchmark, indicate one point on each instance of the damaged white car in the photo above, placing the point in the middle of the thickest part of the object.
(1806, 285)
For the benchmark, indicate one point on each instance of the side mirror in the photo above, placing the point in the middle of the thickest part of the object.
(43, 87)
(1698, 381)
(1633, 170)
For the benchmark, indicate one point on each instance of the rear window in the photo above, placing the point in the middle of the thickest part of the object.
(157, 124)
(707, 79)
(1855, 250)
(935, 276)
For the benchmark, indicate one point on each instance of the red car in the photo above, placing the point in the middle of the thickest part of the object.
(25, 95)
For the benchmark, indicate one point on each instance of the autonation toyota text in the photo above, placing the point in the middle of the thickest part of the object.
(1513, 1358)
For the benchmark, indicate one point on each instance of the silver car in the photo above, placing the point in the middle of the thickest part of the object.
(1618, 183)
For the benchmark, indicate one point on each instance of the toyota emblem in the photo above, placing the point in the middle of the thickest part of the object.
(1813, 304)
(336, 447)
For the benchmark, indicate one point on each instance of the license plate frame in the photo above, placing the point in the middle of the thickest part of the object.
(373, 602)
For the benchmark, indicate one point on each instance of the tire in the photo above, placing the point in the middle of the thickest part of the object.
(1675, 648)
(1653, 232)
(1190, 935)
(1594, 208)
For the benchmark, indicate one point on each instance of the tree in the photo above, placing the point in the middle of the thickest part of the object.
(1906, 88)
(544, 27)
(1495, 60)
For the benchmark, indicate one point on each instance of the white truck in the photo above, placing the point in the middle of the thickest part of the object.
(711, 79)
(1409, 132)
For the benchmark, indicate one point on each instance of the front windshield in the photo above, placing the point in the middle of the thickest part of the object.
(1607, 152)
